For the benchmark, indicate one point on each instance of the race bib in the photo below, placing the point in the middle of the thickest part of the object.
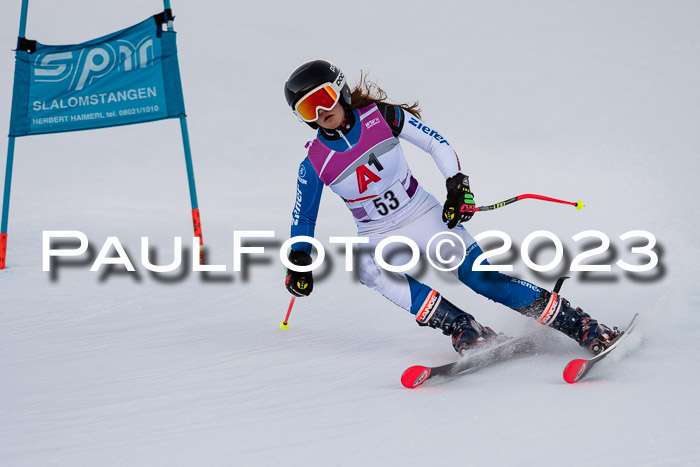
(387, 202)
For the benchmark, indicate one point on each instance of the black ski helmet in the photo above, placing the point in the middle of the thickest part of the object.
(312, 74)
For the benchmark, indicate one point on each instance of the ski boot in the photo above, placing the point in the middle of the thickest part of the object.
(551, 309)
(466, 332)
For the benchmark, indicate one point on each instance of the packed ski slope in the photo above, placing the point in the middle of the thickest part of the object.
(596, 101)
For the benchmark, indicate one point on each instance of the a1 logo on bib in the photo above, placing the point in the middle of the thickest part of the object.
(365, 176)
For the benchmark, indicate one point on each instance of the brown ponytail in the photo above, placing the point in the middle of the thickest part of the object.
(367, 92)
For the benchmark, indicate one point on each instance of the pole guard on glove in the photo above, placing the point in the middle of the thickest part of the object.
(299, 284)
(459, 206)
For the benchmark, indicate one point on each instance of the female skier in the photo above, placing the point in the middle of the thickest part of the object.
(357, 154)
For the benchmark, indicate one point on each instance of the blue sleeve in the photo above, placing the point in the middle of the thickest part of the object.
(308, 199)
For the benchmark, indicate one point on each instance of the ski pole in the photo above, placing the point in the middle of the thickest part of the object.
(578, 204)
(285, 324)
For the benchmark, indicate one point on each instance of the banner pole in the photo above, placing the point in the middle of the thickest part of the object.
(6, 200)
(23, 18)
(196, 219)
(10, 159)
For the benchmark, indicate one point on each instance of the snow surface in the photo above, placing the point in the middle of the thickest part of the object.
(597, 100)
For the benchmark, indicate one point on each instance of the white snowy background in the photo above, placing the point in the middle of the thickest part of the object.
(591, 100)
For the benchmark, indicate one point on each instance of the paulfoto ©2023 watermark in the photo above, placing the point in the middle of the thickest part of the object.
(447, 251)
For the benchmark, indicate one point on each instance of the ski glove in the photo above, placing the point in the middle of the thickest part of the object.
(299, 283)
(459, 206)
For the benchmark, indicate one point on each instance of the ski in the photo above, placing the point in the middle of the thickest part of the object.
(491, 353)
(576, 369)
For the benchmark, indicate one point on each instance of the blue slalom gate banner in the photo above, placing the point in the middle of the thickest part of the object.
(130, 76)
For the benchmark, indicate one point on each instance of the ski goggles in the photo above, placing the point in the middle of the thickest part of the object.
(323, 97)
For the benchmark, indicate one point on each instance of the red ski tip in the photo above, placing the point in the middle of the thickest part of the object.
(415, 376)
(574, 370)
